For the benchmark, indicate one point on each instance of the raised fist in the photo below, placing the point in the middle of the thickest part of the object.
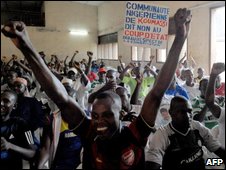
(218, 68)
(89, 53)
(182, 20)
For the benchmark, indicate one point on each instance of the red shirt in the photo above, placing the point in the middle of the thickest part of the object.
(92, 76)
(221, 90)
(126, 151)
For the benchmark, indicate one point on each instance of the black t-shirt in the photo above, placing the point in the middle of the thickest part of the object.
(15, 131)
(30, 109)
(185, 151)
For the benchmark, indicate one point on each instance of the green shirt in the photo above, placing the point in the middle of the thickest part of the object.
(198, 104)
(145, 86)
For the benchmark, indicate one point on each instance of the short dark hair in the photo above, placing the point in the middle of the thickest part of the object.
(11, 92)
(116, 100)
(179, 99)
(108, 94)
(201, 81)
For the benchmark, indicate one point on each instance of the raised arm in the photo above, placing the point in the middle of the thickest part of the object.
(24, 67)
(215, 109)
(152, 101)
(183, 58)
(135, 95)
(71, 112)
(84, 79)
(124, 71)
(193, 63)
(72, 59)
(120, 61)
(151, 59)
(88, 67)
(10, 61)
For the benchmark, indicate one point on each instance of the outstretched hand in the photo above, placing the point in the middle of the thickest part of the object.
(16, 31)
(182, 20)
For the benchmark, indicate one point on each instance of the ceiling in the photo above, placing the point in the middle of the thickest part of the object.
(94, 3)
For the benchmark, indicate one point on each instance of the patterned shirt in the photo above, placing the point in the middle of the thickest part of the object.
(125, 151)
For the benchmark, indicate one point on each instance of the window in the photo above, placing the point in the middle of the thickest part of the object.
(163, 53)
(141, 53)
(218, 37)
(108, 47)
(108, 51)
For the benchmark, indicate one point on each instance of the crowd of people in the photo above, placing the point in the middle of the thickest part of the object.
(83, 114)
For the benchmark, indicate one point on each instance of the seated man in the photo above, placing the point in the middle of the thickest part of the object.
(190, 86)
(200, 76)
(178, 145)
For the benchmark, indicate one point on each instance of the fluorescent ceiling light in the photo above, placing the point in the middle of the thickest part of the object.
(78, 32)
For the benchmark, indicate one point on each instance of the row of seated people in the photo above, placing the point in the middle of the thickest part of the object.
(107, 115)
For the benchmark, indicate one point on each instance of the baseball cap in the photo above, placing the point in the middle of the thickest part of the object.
(73, 70)
(102, 69)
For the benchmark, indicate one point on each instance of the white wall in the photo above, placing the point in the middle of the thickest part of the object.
(55, 38)
(108, 18)
(111, 18)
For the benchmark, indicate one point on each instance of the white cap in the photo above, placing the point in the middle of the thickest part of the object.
(74, 70)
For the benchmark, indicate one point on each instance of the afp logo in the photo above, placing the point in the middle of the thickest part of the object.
(214, 161)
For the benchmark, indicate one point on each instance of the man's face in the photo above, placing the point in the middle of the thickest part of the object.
(165, 114)
(135, 72)
(102, 76)
(19, 88)
(71, 75)
(188, 76)
(181, 114)
(11, 77)
(8, 100)
(105, 118)
(111, 76)
(200, 72)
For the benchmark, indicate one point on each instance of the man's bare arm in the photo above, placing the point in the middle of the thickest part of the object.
(215, 109)
(71, 112)
(152, 101)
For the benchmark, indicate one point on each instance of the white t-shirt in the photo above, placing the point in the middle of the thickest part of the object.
(193, 92)
(82, 92)
(221, 124)
(159, 142)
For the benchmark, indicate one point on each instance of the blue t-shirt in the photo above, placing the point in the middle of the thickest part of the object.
(68, 149)
(178, 91)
